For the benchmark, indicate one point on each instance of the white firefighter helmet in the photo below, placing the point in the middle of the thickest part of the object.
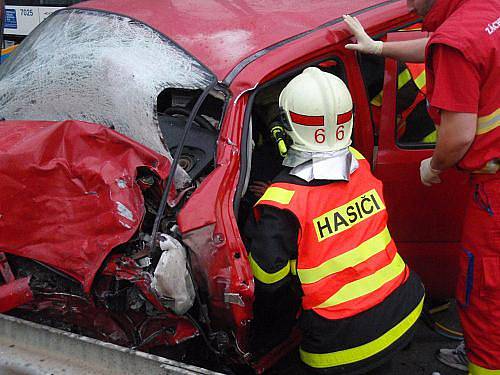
(317, 111)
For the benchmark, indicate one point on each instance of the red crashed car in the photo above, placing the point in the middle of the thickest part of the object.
(131, 132)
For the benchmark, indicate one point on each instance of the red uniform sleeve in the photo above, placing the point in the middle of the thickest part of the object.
(456, 81)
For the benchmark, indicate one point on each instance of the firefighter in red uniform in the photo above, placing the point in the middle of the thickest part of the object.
(462, 59)
(323, 221)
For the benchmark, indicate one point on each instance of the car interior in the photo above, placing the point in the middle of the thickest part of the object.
(174, 107)
(413, 128)
(263, 159)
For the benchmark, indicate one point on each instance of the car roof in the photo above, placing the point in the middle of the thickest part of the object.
(222, 33)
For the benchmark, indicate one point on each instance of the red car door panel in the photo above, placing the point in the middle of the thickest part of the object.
(426, 222)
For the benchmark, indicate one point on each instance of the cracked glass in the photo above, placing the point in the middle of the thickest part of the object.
(96, 67)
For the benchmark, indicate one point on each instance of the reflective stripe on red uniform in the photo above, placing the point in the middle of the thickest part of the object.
(347, 261)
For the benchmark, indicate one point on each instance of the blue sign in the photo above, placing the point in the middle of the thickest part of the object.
(10, 19)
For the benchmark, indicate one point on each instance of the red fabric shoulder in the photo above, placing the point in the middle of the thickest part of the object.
(459, 77)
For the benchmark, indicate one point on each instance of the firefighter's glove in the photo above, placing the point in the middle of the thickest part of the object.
(279, 136)
(365, 44)
(429, 175)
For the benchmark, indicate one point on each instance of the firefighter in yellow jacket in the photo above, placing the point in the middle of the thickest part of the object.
(323, 221)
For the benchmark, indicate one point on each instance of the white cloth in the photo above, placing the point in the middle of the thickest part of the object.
(332, 165)
(171, 279)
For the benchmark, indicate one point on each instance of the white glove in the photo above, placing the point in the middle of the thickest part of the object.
(365, 43)
(429, 175)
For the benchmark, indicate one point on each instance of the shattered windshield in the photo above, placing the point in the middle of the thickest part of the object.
(96, 67)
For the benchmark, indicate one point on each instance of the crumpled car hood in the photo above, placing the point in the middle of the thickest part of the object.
(68, 194)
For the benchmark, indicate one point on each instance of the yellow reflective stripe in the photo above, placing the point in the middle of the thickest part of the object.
(265, 277)
(486, 124)
(358, 155)
(420, 80)
(364, 351)
(403, 78)
(478, 370)
(430, 138)
(377, 101)
(348, 259)
(277, 194)
(293, 266)
(367, 284)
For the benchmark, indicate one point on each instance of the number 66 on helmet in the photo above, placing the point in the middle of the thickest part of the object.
(317, 111)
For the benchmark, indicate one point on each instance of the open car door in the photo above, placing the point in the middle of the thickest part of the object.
(426, 222)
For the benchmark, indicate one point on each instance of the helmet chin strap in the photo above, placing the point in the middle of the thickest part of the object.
(330, 165)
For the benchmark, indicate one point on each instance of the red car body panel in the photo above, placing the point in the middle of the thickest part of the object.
(77, 198)
(426, 223)
(209, 228)
(325, 41)
(14, 294)
(221, 33)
